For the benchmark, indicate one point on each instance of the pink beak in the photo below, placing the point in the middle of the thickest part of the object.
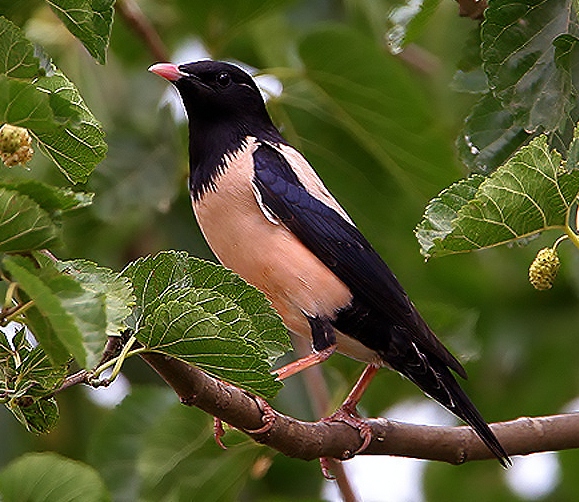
(167, 70)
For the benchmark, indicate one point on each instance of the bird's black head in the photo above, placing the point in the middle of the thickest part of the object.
(224, 107)
(217, 92)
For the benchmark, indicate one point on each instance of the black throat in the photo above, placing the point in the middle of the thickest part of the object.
(211, 142)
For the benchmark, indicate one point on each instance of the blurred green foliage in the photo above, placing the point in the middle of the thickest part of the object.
(381, 129)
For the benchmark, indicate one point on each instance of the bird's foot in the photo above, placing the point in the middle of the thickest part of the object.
(326, 466)
(350, 416)
(218, 432)
(267, 417)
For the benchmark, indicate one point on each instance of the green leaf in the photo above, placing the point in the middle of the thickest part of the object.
(180, 458)
(28, 380)
(53, 200)
(90, 21)
(442, 211)
(18, 60)
(118, 441)
(24, 225)
(489, 137)
(117, 290)
(519, 58)
(373, 97)
(76, 148)
(408, 21)
(206, 315)
(530, 193)
(65, 318)
(197, 334)
(39, 417)
(29, 213)
(168, 272)
(48, 477)
(22, 104)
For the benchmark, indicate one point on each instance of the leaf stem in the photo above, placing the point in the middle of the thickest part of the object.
(116, 363)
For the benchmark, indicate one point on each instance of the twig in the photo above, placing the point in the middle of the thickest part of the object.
(312, 440)
(130, 11)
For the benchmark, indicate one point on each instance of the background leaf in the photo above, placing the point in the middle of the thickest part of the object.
(408, 21)
(118, 441)
(180, 457)
(372, 96)
(48, 477)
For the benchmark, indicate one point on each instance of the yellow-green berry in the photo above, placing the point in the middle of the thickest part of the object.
(15, 145)
(544, 268)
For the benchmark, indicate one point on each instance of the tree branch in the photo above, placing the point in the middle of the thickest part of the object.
(311, 440)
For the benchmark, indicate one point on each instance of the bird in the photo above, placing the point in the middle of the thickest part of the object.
(267, 215)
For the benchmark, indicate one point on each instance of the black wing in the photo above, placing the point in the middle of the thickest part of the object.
(343, 249)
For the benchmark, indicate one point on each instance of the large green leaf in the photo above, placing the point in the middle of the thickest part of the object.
(180, 458)
(519, 57)
(77, 148)
(88, 20)
(198, 334)
(204, 314)
(18, 58)
(373, 97)
(170, 272)
(49, 106)
(24, 225)
(48, 477)
(530, 193)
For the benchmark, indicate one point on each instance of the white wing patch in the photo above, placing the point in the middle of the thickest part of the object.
(272, 218)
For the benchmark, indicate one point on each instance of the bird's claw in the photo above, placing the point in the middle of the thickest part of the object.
(326, 465)
(218, 432)
(350, 416)
(267, 417)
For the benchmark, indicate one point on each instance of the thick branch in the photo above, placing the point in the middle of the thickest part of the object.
(310, 440)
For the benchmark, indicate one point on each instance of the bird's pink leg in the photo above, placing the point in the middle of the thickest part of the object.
(348, 414)
(304, 363)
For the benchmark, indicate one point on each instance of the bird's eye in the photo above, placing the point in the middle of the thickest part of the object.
(223, 79)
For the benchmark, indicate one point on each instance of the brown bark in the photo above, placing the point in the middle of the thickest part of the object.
(311, 440)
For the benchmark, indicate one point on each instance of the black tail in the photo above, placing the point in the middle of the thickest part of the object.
(435, 379)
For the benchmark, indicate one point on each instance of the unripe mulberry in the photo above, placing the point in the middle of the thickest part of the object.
(544, 268)
(15, 145)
